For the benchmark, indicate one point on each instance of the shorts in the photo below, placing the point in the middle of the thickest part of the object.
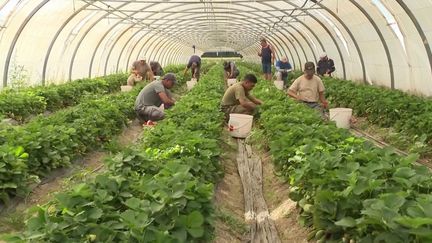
(266, 67)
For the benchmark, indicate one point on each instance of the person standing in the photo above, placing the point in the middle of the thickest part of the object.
(309, 88)
(230, 70)
(195, 65)
(267, 55)
(325, 66)
(237, 98)
(283, 68)
(152, 96)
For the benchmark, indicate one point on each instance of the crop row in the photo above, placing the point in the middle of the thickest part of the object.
(21, 104)
(159, 190)
(347, 188)
(388, 108)
(47, 143)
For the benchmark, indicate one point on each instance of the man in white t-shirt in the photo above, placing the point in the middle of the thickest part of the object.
(309, 88)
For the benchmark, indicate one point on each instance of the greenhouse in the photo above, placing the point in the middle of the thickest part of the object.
(216, 121)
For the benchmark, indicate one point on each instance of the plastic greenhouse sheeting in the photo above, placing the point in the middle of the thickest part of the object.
(379, 42)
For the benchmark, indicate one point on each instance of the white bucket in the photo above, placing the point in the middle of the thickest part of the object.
(231, 81)
(240, 125)
(191, 84)
(126, 88)
(194, 79)
(341, 116)
(279, 84)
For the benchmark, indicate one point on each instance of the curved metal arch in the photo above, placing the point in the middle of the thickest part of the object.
(183, 22)
(319, 40)
(155, 49)
(166, 55)
(319, 21)
(54, 39)
(191, 20)
(326, 29)
(82, 38)
(244, 5)
(334, 41)
(118, 61)
(172, 51)
(281, 45)
(307, 41)
(383, 42)
(352, 38)
(97, 47)
(151, 40)
(313, 33)
(106, 33)
(161, 51)
(419, 30)
(124, 47)
(246, 32)
(301, 47)
(15, 39)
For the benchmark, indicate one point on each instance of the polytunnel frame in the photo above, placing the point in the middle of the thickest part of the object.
(229, 8)
(78, 45)
(153, 22)
(35, 10)
(272, 16)
(107, 32)
(147, 40)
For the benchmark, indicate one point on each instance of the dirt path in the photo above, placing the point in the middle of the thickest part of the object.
(13, 219)
(229, 201)
(282, 210)
(230, 225)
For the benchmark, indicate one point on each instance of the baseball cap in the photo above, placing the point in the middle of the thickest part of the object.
(309, 68)
(170, 76)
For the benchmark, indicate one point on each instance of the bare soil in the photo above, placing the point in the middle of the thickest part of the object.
(229, 196)
(59, 180)
(282, 210)
(229, 199)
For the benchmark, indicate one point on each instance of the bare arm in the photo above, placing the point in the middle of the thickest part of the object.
(293, 94)
(323, 100)
(185, 71)
(247, 104)
(165, 99)
(255, 100)
(272, 53)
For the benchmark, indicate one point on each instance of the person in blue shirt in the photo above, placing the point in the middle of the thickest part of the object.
(283, 68)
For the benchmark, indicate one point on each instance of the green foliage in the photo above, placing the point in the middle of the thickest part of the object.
(50, 142)
(22, 103)
(344, 185)
(160, 190)
(406, 113)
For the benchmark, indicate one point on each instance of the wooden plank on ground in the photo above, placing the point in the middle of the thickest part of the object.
(263, 229)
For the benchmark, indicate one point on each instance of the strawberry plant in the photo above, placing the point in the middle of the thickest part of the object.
(406, 113)
(157, 191)
(21, 104)
(347, 188)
